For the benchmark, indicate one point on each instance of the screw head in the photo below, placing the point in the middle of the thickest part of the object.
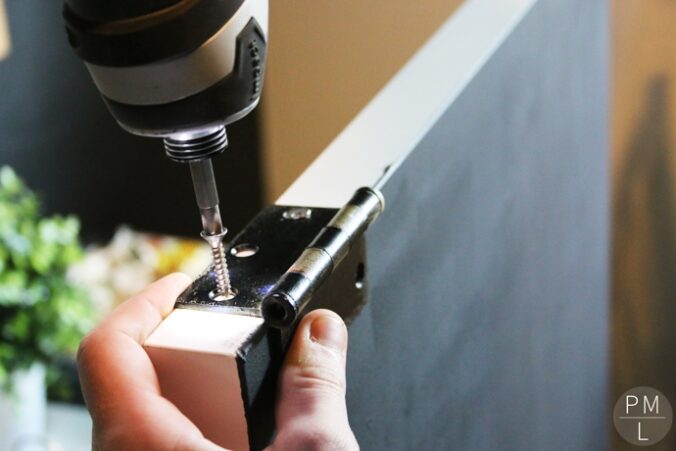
(214, 240)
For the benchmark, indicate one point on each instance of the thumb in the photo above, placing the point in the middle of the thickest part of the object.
(311, 412)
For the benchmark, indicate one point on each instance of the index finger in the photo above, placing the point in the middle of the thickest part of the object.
(114, 368)
(139, 316)
(111, 358)
(119, 382)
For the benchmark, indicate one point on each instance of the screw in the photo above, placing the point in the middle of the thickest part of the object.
(224, 289)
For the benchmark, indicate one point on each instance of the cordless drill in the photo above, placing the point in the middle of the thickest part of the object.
(180, 70)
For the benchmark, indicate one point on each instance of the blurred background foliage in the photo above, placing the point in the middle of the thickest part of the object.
(53, 291)
(43, 314)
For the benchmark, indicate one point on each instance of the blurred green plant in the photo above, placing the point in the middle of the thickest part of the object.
(42, 314)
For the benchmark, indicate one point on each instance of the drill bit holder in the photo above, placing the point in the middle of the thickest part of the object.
(197, 145)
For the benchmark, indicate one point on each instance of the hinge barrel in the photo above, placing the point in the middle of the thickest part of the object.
(287, 299)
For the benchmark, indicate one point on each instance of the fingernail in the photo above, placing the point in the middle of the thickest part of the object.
(329, 331)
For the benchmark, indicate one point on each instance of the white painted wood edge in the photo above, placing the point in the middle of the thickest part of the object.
(195, 356)
(391, 125)
(204, 332)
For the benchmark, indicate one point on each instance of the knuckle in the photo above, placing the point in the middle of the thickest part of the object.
(86, 349)
(110, 440)
(118, 439)
(315, 377)
(316, 439)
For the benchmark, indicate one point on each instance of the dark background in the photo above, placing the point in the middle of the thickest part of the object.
(57, 133)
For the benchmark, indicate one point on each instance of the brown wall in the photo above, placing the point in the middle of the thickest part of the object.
(644, 196)
(327, 60)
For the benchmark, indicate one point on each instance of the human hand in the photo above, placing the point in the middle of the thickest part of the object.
(122, 392)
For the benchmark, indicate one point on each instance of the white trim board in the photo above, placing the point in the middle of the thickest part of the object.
(390, 126)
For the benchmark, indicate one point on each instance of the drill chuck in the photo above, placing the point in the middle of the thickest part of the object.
(188, 147)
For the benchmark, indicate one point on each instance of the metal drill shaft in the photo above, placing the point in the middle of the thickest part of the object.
(206, 194)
